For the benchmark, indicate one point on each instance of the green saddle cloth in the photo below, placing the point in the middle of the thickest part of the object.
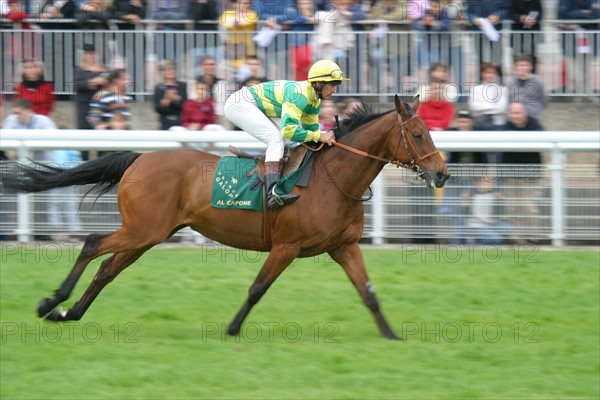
(234, 189)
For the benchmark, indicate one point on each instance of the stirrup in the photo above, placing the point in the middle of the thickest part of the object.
(275, 200)
(275, 197)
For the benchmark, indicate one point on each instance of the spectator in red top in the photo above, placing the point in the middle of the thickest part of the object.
(199, 112)
(33, 87)
(436, 112)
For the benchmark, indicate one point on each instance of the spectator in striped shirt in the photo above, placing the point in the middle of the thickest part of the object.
(110, 99)
(295, 105)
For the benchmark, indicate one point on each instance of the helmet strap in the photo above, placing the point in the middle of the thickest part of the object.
(318, 86)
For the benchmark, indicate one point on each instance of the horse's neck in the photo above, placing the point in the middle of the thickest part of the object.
(357, 172)
(373, 136)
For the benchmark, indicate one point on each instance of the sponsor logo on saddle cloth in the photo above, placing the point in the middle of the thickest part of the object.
(237, 186)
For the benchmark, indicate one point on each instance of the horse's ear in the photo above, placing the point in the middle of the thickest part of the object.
(400, 108)
(416, 103)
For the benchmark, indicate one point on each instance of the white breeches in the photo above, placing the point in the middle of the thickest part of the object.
(241, 109)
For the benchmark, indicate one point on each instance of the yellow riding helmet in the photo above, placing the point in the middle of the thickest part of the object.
(326, 71)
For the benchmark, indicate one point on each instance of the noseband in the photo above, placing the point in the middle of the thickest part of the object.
(409, 145)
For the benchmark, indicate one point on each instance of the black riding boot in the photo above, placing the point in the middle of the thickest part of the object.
(275, 200)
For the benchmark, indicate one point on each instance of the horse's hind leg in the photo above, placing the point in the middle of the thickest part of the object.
(351, 259)
(88, 253)
(279, 258)
(109, 269)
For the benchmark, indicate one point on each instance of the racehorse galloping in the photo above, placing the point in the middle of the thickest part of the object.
(162, 192)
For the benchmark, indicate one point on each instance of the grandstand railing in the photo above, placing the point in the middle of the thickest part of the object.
(555, 202)
(380, 64)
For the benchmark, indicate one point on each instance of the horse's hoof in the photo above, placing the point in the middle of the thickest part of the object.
(44, 307)
(233, 331)
(58, 314)
(393, 336)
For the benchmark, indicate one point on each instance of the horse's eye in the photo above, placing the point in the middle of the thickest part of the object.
(417, 135)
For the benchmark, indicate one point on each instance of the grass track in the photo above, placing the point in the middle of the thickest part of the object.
(494, 324)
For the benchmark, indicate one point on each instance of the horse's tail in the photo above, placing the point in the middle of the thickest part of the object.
(104, 173)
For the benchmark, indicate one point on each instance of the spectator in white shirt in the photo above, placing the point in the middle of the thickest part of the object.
(488, 101)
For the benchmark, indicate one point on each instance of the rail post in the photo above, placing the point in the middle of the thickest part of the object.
(557, 167)
(378, 219)
(23, 204)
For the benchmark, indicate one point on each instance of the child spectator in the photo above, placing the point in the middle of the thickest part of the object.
(199, 112)
(109, 100)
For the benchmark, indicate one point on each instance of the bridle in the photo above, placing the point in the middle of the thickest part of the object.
(409, 145)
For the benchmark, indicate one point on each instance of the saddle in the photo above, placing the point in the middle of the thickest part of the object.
(292, 160)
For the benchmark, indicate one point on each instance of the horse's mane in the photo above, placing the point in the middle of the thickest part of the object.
(361, 115)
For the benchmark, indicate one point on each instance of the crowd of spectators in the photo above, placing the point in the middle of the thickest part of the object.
(326, 29)
(318, 29)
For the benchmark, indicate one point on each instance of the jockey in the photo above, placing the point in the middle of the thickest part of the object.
(276, 111)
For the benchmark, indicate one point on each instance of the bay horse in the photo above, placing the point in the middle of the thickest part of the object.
(162, 192)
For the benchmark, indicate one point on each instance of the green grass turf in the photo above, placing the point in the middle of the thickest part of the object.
(494, 323)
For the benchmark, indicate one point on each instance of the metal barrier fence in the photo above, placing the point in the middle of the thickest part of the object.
(379, 63)
(553, 202)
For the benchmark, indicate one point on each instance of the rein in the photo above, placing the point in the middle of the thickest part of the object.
(353, 150)
(409, 146)
(369, 197)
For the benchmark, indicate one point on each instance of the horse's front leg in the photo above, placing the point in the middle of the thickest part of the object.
(279, 258)
(351, 259)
